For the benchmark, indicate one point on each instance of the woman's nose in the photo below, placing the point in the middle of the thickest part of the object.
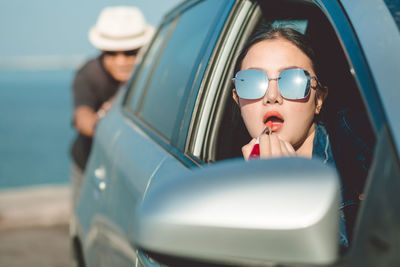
(272, 95)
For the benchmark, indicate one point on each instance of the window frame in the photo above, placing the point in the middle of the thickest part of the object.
(368, 230)
(359, 69)
(204, 126)
(176, 145)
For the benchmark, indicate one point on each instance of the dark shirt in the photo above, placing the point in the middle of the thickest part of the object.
(92, 86)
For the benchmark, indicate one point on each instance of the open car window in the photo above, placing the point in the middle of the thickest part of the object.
(346, 113)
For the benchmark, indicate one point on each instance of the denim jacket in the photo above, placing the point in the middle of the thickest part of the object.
(322, 150)
(352, 146)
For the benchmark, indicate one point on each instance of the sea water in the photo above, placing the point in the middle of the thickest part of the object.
(35, 127)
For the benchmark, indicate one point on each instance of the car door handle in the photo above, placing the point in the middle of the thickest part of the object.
(100, 178)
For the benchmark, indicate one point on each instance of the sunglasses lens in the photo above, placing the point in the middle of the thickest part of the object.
(294, 84)
(125, 53)
(110, 53)
(131, 52)
(251, 83)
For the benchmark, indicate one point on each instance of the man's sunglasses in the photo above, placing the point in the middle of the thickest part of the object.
(126, 53)
(293, 84)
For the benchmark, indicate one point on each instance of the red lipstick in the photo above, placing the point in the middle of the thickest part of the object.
(273, 119)
(255, 152)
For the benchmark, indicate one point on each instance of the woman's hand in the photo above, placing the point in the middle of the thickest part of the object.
(271, 146)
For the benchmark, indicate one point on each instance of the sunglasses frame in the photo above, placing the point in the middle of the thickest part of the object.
(126, 53)
(307, 74)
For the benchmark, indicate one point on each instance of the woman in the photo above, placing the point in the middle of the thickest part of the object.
(280, 98)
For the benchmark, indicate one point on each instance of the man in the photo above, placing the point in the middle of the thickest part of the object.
(119, 33)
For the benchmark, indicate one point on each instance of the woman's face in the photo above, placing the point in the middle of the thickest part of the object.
(296, 116)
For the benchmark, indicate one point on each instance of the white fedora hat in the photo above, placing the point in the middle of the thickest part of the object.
(120, 28)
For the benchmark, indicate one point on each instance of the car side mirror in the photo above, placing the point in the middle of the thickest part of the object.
(235, 212)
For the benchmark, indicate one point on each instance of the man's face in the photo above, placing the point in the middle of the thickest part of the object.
(119, 63)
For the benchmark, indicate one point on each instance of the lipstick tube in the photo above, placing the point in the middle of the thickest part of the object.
(255, 152)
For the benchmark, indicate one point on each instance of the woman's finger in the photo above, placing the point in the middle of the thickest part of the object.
(289, 147)
(265, 146)
(246, 149)
(276, 151)
(284, 149)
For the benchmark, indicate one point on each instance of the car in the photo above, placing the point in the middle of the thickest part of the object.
(166, 183)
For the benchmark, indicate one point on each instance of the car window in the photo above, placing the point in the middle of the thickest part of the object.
(345, 113)
(146, 66)
(159, 99)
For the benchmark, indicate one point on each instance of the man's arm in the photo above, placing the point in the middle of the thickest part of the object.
(85, 120)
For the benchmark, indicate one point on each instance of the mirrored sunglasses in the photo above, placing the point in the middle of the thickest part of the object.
(293, 84)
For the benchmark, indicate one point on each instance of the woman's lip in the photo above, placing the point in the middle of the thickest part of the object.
(272, 114)
(275, 124)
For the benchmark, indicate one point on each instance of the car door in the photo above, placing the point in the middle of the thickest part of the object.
(377, 232)
(355, 85)
(361, 61)
(145, 127)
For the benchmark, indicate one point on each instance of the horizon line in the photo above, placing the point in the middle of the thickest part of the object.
(43, 62)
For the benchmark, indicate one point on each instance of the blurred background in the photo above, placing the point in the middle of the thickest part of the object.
(43, 42)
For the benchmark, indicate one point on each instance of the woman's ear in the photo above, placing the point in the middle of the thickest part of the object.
(235, 96)
(320, 96)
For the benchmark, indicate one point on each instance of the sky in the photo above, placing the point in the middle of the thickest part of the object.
(48, 34)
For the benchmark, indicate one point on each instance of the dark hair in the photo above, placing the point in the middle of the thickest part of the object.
(269, 32)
